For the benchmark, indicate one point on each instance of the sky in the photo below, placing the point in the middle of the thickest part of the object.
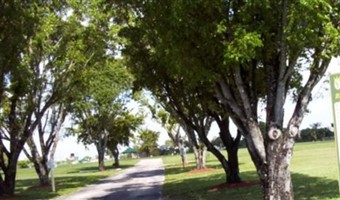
(320, 112)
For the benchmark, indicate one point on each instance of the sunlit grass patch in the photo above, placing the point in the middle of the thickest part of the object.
(314, 173)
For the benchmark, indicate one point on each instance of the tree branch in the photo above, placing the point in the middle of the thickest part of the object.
(305, 95)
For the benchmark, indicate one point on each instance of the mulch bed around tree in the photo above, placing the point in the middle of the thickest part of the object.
(223, 186)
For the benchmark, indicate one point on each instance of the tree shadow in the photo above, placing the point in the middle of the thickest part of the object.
(135, 191)
(124, 177)
(309, 187)
(197, 187)
(140, 188)
(29, 189)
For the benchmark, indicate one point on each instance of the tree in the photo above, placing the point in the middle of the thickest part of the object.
(17, 24)
(101, 102)
(149, 141)
(120, 132)
(191, 101)
(104, 86)
(38, 73)
(246, 50)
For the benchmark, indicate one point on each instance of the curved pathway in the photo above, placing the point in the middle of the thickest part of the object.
(143, 182)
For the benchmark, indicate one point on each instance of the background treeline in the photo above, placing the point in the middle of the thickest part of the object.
(316, 134)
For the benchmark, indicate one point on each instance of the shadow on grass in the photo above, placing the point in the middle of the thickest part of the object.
(29, 189)
(308, 187)
(77, 178)
(197, 187)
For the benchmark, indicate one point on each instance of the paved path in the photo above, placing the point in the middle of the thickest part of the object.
(141, 182)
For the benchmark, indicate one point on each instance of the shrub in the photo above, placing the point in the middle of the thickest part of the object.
(24, 163)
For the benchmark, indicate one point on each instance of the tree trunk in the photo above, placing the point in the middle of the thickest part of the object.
(199, 157)
(231, 144)
(273, 170)
(7, 178)
(224, 162)
(202, 157)
(40, 162)
(44, 179)
(278, 185)
(115, 154)
(233, 173)
(101, 154)
(183, 153)
(116, 164)
(184, 160)
(7, 187)
(101, 164)
(200, 163)
(225, 165)
(42, 172)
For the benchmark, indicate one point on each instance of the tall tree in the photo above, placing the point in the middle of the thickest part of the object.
(16, 24)
(100, 103)
(230, 44)
(190, 100)
(104, 86)
(44, 68)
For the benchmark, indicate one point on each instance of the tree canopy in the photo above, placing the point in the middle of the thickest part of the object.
(44, 49)
(149, 142)
(243, 51)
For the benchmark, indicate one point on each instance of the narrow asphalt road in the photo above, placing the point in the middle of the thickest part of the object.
(141, 182)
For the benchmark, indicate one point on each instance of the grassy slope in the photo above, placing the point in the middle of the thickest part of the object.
(68, 178)
(314, 172)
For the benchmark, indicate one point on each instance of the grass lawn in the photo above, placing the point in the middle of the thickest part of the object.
(69, 178)
(314, 173)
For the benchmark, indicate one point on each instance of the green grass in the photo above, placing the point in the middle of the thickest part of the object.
(314, 173)
(68, 178)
